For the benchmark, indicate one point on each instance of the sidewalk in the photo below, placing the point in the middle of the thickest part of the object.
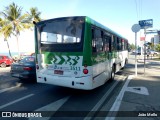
(150, 59)
(142, 93)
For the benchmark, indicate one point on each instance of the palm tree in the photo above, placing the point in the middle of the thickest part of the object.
(16, 21)
(6, 32)
(34, 14)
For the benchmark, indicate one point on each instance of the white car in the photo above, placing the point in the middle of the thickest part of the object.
(152, 52)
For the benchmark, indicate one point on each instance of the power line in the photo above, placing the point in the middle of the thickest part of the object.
(136, 8)
(140, 1)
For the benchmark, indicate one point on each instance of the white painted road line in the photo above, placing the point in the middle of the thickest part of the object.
(6, 89)
(50, 107)
(15, 101)
(117, 103)
(138, 90)
(101, 101)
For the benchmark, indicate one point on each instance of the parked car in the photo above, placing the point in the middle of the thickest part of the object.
(27, 55)
(5, 61)
(152, 52)
(24, 69)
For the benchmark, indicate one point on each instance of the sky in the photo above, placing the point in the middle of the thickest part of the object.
(118, 15)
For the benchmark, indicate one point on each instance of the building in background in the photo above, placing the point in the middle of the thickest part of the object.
(156, 39)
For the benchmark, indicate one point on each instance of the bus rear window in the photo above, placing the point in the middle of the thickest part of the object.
(62, 31)
(58, 38)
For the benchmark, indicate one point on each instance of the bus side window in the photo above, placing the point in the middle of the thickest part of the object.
(93, 42)
(106, 44)
(97, 43)
(108, 41)
(125, 45)
(119, 44)
(123, 42)
(113, 44)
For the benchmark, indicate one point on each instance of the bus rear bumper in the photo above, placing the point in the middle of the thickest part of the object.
(84, 83)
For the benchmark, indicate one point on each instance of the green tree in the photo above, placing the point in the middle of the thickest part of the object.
(158, 49)
(5, 31)
(132, 46)
(16, 22)
(34, 14)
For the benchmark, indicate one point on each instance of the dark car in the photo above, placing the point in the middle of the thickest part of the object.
(27, 55)
(5, 61)
(24, 69)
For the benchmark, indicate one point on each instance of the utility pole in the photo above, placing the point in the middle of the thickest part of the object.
(144, 50)
(144, 24)
(136, 28)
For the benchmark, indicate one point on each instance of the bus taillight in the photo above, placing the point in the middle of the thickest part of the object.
(85, 71)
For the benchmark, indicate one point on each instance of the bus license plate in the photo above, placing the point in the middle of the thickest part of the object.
(60, 72)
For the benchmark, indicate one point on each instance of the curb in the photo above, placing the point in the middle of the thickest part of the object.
(148, 61)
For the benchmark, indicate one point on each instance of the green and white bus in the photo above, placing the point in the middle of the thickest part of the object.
(78, 52)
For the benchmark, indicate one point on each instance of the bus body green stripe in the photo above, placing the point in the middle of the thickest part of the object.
(58, 57)
(87, 48)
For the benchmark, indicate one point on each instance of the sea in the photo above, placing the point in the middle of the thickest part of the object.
(12, 53)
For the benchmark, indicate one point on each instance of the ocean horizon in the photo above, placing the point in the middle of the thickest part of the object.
(12, 53)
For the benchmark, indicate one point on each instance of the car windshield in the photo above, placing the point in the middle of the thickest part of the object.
(7, 57)
(27, 59)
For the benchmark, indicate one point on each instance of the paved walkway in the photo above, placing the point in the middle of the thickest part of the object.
(141, 100)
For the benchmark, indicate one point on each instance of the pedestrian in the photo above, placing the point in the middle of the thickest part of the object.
(147, 55)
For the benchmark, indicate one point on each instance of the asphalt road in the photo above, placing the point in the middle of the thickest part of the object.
(53, 102)
(23, 97)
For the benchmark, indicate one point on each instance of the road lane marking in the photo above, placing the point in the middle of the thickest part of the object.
(101, 101)
(6, 89)
(15, 101)
(117, 103)
(138, 90)
(52, 107)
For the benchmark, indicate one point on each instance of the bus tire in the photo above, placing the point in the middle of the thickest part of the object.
(112, 73)
(126, 62)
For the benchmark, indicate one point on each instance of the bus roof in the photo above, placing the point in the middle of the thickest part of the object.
(88, 20)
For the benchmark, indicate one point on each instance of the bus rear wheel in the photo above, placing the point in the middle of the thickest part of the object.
(112, 73)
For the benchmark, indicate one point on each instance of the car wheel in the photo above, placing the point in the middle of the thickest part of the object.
(3, 65)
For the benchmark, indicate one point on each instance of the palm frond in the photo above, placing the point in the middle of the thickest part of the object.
(35, 14)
